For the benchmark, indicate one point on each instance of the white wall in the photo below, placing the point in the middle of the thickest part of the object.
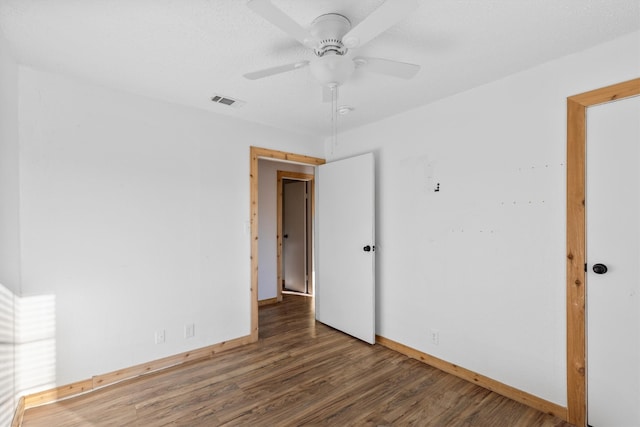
(9, 172)
(268, 226)
(134, 218)
(483, 260)
(7, 360)
(9, 229)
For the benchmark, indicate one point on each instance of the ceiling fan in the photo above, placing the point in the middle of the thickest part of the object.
(331, 36)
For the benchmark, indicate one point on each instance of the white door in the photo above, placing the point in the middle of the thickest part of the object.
(294, 242)
(613, 240)
(345, 286)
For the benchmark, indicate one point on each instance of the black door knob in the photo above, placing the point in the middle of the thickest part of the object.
(599, 268)
(367, 248)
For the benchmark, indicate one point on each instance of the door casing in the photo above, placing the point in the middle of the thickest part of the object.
(256, 153)
(576, 240)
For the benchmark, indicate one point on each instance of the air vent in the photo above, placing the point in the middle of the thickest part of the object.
(225, 100)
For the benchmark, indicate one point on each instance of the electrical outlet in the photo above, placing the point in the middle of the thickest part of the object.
(435, 336)
(159, 336)
(189, 330)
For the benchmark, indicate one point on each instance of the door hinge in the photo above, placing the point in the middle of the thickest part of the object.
(585, 268)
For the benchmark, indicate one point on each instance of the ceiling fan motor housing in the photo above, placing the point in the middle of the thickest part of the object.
(328, 30)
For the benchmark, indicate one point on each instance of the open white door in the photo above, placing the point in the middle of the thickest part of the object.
(613, 263)
(345, 238)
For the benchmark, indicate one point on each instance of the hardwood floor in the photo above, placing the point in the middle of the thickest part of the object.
(299, 373)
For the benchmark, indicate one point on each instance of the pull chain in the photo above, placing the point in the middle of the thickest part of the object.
(334, 116)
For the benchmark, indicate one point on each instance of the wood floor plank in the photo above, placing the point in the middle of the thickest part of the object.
(300, 372)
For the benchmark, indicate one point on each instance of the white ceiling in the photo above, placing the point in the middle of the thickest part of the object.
(184, 51)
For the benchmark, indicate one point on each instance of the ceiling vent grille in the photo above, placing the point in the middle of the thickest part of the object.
(225, 100)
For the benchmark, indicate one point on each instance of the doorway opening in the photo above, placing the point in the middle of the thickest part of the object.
(257, 153)
(295, 233)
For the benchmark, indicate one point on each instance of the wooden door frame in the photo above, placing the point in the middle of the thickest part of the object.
(298, 176)
(576, 240)
(256, 153)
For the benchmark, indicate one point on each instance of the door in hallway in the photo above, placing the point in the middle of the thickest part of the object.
(294, 242)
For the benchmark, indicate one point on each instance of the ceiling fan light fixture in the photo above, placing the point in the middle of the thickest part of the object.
(332, 69)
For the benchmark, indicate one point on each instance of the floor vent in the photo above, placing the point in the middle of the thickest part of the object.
(225, 100)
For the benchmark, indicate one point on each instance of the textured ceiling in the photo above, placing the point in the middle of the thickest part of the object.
(184, 51)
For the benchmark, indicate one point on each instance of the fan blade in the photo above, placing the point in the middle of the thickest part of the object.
(269, 12)
(387, 15)
(275, 70)
(402, 70)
